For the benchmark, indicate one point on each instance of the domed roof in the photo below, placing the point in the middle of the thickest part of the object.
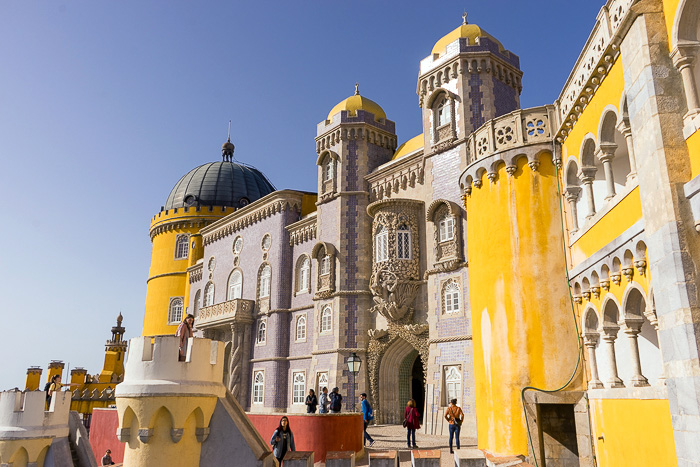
(223, 183)
(357, 102)
(465, 30)
(410, 146)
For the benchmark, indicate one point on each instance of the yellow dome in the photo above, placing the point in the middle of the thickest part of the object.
(409, 146)
(469, 31)
(354, 103)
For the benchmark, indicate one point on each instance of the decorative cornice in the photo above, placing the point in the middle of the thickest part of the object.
(182, 273)
(352, 131)
(443, 146)
(180, 224)
(372, 208)
(396, 177)
(195, 272)
(260, 314)
(302, 231)
(440, 340)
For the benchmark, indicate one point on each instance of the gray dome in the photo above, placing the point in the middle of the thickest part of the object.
(219, 184)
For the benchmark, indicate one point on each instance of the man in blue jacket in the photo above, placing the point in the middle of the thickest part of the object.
(367, 416)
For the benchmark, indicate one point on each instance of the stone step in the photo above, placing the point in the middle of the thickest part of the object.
(425, 458)
(340, 459)
(383, 458)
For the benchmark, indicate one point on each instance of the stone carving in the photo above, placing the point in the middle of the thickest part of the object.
(392, 296)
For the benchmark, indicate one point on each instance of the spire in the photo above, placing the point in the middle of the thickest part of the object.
(227, 148)
(464, 18)
(357, 89)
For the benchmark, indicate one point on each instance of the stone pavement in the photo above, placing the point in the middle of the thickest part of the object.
(394, 437)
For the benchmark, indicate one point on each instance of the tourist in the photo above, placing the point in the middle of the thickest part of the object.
(282, 440)
(455, 417)
(336, 401)
(184, 332)
(311, 402)
(411, 420)
(367, 416)
(54, 386)
(107, 458)
(324, 401)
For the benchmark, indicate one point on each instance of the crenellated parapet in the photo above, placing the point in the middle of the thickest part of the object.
(187, 217)
(363, 125)
(27, 429)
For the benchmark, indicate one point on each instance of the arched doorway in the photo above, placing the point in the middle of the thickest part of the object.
(401, 377)
(418, 385)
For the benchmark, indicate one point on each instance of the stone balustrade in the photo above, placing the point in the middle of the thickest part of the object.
(225, 312)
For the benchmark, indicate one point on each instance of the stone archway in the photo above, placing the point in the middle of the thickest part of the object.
(390, 388)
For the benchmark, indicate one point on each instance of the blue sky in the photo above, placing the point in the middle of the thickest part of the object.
(104, 105)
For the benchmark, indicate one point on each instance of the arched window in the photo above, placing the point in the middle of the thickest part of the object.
(209, 294)
(327, 169)
(182, 246)
(322, 382)
(403, 242)
(298, 388)
(197, 303)
(451, 297)
(235, 285)
(453, 384)
(447, 227)
(325, 265)
(265, 281)
(326, 319)
(443, 111)
(262, 332)
(258, 387)
(303, 274)
(381, 239)
(301, 328)
(175, 311)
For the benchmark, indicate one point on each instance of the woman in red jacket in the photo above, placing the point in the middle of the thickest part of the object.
(411, 422)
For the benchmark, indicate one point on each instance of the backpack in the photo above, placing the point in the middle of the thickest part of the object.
(370, 413)
(46, 390)
(335, 401)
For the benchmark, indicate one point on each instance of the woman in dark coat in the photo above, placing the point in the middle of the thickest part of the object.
(411, 422)
(311, 402)
(282, 440)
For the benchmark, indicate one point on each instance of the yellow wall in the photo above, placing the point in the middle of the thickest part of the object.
(522, 324)
(635, 432)
(670, 7)
(693, 143)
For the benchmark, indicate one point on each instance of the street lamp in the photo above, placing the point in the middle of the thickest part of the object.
(353, 363)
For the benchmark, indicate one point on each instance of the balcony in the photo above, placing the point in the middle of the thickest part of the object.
(231, 311)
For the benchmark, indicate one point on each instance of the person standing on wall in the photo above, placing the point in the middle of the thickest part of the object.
(282, 440)
(455, 417)
(311, 402)
(336, 401)
(184, 332)
(367, 416)
(324, 401)
(411, 421)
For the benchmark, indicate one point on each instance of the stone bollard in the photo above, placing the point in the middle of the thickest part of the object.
(469, 458)
(425, 458)
(383, 459)
(299, 459)
(340, 459)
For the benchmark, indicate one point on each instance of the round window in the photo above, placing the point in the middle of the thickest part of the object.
(212, 263)
(237, 245)
(266, 242)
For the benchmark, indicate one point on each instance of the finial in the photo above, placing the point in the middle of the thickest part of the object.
(229, 131)
(464, 17)
(120, 318)
(357, 89)
(228, 147)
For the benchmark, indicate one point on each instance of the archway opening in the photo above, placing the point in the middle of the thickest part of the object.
(417, 386)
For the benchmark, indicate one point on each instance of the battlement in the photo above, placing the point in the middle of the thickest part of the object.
(153, 368)
(23, 415)
(360, 117)
(176, 213)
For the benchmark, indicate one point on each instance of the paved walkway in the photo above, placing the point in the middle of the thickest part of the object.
(394, 437)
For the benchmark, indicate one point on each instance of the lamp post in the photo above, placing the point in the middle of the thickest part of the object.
(353, 363)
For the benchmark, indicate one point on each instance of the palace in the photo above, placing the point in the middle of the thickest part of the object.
(539, 265)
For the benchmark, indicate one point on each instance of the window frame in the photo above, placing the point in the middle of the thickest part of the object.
(261, 328)
(182, 241)
(264, 282)
(446, 227)
(298, 327)
(258, 387)
(172, 319)
(456, 383)
(381, 247)
(304, 275)
(404, 232)
(208, 287)
(298, 395)
(327, 312)
(443, 112)
(231, 284)
(455, 304)
(325, 268)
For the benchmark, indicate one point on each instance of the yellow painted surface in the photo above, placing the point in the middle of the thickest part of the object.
(409, 146)
(522, 325)
(693, 143)
(620, 218)
(21, 452)
(357, 102)
(670, 7)
(308, 204)
(609, 93)
(635, 433)
(33, 381)
(470, 31)
(162, 414)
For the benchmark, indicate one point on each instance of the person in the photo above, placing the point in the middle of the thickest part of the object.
(54, 386)
(107, 458)
(455, 417)
(336, 401)
(411, 422)
(184, 332)
(324, 401)
(367, 416)
(282, 440)
(311, 402)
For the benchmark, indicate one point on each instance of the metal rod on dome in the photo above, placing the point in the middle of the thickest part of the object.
(229, 130)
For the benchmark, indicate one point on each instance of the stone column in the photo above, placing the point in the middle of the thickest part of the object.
(609, 336)
(684, 60)
(236, 362)
(626, 131)
(587, 176)
(605, 155)
(633, 326)
(590, 340)
(572, 196)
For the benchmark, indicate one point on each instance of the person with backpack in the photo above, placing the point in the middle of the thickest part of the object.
(54, 385)
(455, 417)
(323, 401)
(367, 416)
(336, 401)
(282, 440)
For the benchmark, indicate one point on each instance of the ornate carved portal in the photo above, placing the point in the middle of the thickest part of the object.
(386, 348)
(392, 296)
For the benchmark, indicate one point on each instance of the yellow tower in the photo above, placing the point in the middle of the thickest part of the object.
(204, 195)
(523, 327)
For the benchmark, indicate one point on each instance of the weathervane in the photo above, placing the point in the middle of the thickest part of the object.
(357, 89)
(464, 17)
